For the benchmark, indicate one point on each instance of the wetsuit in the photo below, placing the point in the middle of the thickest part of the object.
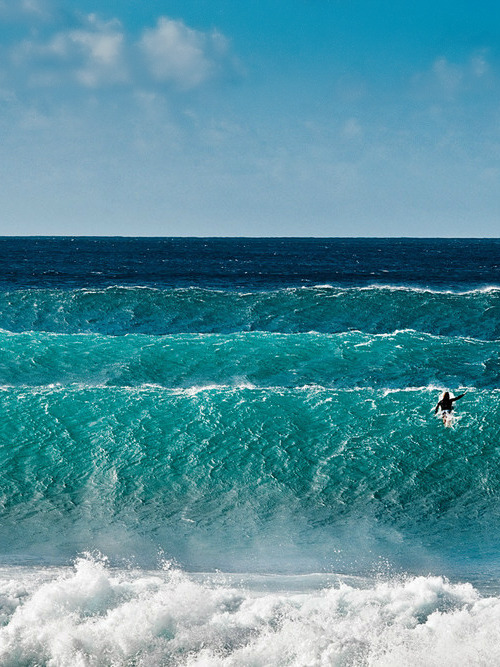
(446, 404)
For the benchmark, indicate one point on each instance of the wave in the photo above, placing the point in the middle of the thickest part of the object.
(351, 359)
(91, 614)
(243, 476)
(121, 310)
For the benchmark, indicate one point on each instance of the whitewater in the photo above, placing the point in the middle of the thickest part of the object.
(224, 452)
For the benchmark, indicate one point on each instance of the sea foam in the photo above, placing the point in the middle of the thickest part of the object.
(94, 615)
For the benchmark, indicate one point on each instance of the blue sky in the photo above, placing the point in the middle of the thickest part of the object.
(250, 118)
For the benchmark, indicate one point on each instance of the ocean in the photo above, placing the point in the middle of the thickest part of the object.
(224, 452)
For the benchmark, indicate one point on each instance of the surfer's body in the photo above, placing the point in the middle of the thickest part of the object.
(445, 404)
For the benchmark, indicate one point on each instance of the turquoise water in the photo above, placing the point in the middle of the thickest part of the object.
(290, 445)
(215, 476)
(252, 475)
(377, 309)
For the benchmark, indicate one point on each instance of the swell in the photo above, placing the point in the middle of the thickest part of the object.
(349, 359)
(121, 310)
(221, 469)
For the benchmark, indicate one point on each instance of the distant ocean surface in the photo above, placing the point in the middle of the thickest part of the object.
(224, 452)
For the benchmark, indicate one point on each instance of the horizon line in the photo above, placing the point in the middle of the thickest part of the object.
(256, 238)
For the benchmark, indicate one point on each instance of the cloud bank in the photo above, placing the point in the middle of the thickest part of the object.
(93, 53)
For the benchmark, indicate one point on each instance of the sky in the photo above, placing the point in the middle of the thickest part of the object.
(250, 118)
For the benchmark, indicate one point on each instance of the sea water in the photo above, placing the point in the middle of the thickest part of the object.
(224, 452)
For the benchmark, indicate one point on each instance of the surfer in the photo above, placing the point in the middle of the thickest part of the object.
(446, 405)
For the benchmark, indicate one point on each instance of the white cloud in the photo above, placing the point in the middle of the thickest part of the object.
(103, 54)
(91, 55)
(451, 79)
(178, 54)
(17, 10)
(352, 129)
(33, 7)
(479, 65)
(448, 75)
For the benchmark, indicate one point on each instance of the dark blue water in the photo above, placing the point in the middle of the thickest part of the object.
(248, 263)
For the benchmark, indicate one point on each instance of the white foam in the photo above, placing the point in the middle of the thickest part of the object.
(427, 290)
(92, 615)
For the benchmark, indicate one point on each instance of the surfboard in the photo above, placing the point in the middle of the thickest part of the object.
(447, 419)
